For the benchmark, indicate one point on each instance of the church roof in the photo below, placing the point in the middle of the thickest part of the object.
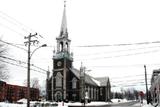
(103, 80)
(91, 80)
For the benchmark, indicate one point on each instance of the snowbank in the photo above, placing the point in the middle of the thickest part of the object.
(61, 104)
(3, 104)
(118, 100)
(22, 101)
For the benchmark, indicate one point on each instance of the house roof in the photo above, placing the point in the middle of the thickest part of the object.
(91, 80)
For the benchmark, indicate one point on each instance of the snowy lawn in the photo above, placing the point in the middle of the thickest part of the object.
(61, 104)
(2, 104)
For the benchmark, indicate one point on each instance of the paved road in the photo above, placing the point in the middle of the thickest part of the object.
(128, 104)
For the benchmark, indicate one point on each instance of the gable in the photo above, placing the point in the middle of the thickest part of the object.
(88, 79)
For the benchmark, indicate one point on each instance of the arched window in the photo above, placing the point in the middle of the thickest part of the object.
(61, 46)
(66, 46)
(74, 83)
(59, 80)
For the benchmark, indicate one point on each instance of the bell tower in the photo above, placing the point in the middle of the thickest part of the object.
(63, 43)
(62, 62)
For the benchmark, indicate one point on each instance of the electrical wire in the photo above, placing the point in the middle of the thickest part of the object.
(20, 66)
(22, 62)
(125, 44)
(17, 23)
(117, 66)
(128, 76)
(117, 56)
(11, 29)
(11, 44)
(131, 49)
(131, 85)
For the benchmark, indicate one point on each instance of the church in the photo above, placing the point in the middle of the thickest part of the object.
(68, 83)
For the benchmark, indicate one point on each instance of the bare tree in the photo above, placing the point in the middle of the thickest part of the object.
(34, 83)
(4, 73)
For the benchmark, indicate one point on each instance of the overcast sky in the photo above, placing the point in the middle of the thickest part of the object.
(90, 23)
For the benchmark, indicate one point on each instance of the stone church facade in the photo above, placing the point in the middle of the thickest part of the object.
(69, 83)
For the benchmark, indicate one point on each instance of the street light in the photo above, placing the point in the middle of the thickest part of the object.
(28, 73)
(44, 45)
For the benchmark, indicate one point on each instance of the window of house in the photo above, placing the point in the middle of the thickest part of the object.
(95, 94)
(101, 89)
(59, 80)
(74, 83)
(91, 93)
(88, 91)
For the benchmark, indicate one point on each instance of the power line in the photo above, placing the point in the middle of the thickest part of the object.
(140, 43)
(132, 65)
(11, 29)
(128, 76)
(130, 80)
(16, 22)
(131, 85)
(22, 62)
(39, 68)
(138, 53)
(11, 44)
(132, 49)
(20, 66)
(125, 44)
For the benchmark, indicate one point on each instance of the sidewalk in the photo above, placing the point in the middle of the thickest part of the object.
(92, 104)
(143, 105)
(61, 104)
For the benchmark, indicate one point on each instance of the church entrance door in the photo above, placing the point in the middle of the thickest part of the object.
(58, 96)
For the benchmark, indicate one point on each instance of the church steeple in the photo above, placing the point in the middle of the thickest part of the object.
(63, 43)
(63, 31)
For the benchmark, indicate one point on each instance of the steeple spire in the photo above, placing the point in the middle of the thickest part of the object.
(64, 3)
(63, 43)
(63, 32)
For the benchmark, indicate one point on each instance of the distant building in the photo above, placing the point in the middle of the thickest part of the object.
(68, 83)
(13, 93)
(155, 75)
(155, 87)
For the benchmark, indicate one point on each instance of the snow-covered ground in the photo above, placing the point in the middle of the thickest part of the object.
(143, 105)
(61, 104)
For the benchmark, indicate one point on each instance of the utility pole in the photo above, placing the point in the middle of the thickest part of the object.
(146, 84)
(52, 81)
(52, 85)
(28, 42)
(47, 79)
(84, 87)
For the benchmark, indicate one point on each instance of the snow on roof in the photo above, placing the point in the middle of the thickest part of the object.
(96, 81)
(103, 80)
(88, 78)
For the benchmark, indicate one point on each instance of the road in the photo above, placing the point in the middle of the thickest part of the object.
(128, 104)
